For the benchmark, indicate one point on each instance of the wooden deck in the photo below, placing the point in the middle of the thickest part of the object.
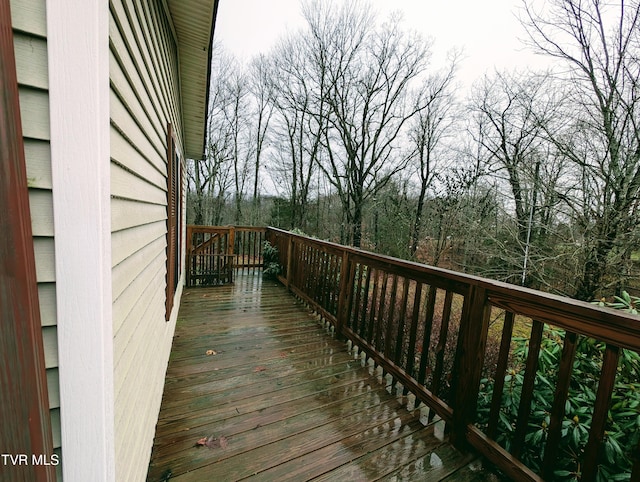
(255, 377)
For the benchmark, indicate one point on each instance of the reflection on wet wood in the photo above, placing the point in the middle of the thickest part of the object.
(254, 372)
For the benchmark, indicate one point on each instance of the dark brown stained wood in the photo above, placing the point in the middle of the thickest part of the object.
(368, 335)
(345, 292)
(172, 222)
(526, 396)
(559, 400)
(470, 350)
(283, 400)
(614, 327)
(368, 320)
(426, 336)
(397, 357)
(380, 315)
(25, 424)
(391, 325)
(501, 371)
(442, 342)
(508, 464)
(600, 412)
(414, 329)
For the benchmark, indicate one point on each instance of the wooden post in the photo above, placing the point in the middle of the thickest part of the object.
(24, 406)
(347, 274)
(472, 338)
(289, 260)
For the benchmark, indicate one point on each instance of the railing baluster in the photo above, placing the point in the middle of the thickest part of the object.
(526, 396)
(559, 401)
(501, 370)
(442, 343)
(377, 338)
(413, 331)
(426, 337)
(354, 319)
(372, 309)
(600, 412)
(397, 355)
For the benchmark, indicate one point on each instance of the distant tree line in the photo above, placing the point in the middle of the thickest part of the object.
(347, 131)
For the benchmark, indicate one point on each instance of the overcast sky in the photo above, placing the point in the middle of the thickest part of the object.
(488, 31)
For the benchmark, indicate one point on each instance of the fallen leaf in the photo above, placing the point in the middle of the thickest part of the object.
(259, 369)
(211, 352)
(213, 442)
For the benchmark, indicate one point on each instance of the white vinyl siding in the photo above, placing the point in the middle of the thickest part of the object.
(28, 19)
(143, 100)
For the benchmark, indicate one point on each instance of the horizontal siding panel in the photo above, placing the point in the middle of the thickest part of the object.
(38, 158)
(124, 154)
(138, 403)
(124, 62)
(127, 271)
(53, 384)
(155, 273)
(136, 332)
(132, 100)
(125, 184)
(55, 426)
(34, 111)
(50, 341)
(126, 242)
(47, 300)
(41, 206)
(125, 43)
(45, 261)
(121, 118)
(126, 214)
(31, 60)
(29, 16)
(160, 59)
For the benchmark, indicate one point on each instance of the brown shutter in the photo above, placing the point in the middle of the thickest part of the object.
(174, 219)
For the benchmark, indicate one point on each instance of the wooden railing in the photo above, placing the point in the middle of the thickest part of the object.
(446, 337)
(216, 253)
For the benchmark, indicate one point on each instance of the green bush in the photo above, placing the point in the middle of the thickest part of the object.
(623, 425)
(271, 264)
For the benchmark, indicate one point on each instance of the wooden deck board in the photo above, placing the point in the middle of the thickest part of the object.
(282, 399)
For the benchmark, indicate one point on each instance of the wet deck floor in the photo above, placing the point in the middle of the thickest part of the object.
(256, 389)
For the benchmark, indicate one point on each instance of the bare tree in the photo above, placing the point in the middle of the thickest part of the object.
(209, 180)
(428, 129)
(261, 88)
(599, 44)
(300, 121)
(370, 71)
(512, 111)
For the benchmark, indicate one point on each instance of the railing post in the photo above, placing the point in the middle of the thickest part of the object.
(190, 267)
(231, 242)
(289, 260)
(472, 339)
(347, 275)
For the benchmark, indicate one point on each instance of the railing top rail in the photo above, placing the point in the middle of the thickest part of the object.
(605, 324)
(209, 229)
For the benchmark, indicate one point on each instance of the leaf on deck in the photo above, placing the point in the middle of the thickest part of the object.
(213, 442)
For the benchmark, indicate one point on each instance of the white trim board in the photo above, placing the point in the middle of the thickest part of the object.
(78, 55)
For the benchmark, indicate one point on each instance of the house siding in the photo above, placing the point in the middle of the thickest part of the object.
(143, 101)
(28, 19)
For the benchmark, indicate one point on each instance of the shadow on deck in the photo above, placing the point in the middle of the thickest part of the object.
(255, 376)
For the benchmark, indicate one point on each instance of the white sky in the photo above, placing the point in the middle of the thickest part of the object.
(487, 30)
